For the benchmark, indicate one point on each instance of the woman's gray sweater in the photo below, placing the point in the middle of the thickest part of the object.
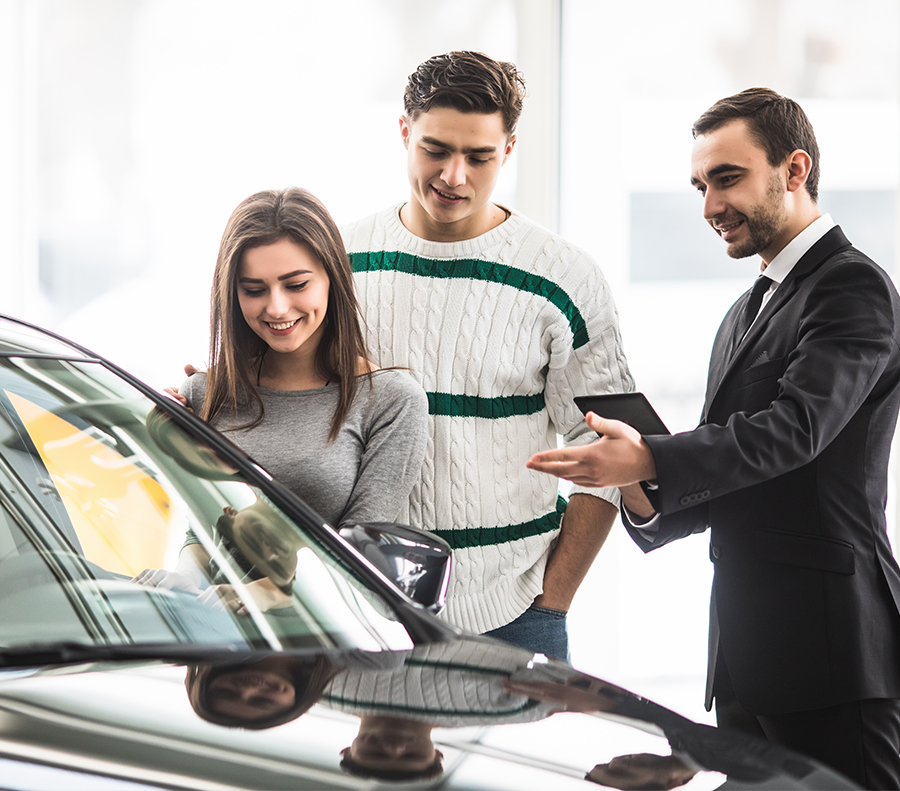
(366, 474)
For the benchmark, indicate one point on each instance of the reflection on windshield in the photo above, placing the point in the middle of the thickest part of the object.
(406, 703)
(260, 693)
(441, 685)
(118, 526)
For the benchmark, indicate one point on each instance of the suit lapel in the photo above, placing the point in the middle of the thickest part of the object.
(722, 353)
(723, 363)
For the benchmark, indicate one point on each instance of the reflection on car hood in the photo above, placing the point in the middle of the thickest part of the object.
(465, 714)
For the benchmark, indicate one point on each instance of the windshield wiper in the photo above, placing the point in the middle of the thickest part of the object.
(71, 652)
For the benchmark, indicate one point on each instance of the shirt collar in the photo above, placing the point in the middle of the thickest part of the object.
(787, 259)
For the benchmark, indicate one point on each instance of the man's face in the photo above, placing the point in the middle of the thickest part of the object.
(743, 195)
(454, 161)
(393, 743)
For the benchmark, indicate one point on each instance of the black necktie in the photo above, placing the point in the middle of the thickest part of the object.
(751, 309)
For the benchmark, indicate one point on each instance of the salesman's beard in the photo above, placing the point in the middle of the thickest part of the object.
(765, 222)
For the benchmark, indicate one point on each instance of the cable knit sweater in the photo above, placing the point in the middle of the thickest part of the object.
(502, 331)
(452, 685)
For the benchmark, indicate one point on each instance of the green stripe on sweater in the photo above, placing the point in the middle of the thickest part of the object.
(472, 269)
(468, 537)
(490, 408)
(435, 711)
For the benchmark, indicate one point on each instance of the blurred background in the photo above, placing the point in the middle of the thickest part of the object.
(130, 129)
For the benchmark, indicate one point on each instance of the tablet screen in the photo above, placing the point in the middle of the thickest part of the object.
(631, 408)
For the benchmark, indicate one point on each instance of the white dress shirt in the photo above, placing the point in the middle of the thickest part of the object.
(787, 259)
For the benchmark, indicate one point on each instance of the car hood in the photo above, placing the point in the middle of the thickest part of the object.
(500, 717)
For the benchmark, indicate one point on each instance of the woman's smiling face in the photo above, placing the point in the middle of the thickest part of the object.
(283, 296)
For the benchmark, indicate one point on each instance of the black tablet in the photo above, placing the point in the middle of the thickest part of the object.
(631, 408)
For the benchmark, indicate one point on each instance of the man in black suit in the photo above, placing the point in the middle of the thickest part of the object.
(788, 468)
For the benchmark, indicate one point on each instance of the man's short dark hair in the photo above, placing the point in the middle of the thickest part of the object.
(778, 125)
(469, 82)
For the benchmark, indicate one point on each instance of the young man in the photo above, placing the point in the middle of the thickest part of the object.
(503, 323)
(788, 468)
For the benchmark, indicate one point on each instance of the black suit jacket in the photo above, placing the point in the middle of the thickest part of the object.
(788, 470)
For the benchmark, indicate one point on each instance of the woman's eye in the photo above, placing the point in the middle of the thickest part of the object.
(252, 292)
(297, 286)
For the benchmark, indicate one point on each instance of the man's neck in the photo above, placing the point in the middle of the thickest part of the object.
(780, 265)
(419, 223)
(798, 223)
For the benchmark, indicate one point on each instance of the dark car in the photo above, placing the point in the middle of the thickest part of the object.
(118, 673)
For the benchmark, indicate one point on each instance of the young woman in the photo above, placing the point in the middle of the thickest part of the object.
(289, 379)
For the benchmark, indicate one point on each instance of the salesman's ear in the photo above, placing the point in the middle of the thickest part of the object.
(798, 164)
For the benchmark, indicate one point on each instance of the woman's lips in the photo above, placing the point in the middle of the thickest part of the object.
(281, 327)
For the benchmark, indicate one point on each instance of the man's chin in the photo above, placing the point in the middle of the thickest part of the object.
(741, 251)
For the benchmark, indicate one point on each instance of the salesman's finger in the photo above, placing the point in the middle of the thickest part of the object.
(574, 453)
(594, 421)
(567, 470)
(608, 427)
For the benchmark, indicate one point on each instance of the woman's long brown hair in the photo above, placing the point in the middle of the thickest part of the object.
(235, 350)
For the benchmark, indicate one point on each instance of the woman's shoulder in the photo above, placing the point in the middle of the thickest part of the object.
(194, 387)
(391, 392)
(396, 381)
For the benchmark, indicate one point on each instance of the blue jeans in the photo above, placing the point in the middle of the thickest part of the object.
(538, 629)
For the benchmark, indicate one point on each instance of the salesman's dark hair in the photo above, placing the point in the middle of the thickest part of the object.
(778, 125)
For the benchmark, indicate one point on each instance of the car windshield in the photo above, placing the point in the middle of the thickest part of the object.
(101, 491)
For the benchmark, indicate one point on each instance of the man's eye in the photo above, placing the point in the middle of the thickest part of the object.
(433, 154)
(478, 161)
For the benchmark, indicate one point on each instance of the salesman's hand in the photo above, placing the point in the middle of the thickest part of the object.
(618, 458)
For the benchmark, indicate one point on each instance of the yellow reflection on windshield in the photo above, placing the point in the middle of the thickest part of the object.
(119, 512)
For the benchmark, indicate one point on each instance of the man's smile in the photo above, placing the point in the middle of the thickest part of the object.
(447, 196)
(724, 229)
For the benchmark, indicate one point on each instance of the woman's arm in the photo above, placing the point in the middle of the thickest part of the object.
(394, 452)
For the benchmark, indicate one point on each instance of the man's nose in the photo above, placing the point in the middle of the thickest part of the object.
(454, 172)
(395, 749)
(713, 205)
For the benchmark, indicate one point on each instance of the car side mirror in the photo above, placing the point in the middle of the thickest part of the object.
(417, 561)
